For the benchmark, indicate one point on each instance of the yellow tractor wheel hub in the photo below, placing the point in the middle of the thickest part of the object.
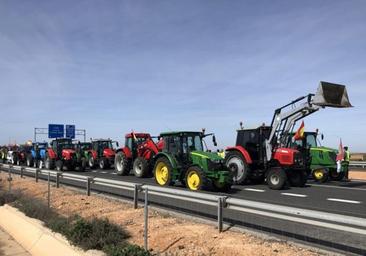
(162, 173)
(193, 180)
(318, 174)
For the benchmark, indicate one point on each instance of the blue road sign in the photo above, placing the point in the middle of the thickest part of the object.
(55, 131)
(70, 131)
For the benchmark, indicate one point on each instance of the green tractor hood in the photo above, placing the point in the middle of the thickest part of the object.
(213, 156)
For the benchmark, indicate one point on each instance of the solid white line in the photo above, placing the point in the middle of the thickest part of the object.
(343, 201)
(254, 190)
(291, 194)
(104, 172)
(114, 173)
(94, 171)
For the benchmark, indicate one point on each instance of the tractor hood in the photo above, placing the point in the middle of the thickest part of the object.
(324, 149)
(209, 155)
(331, 95)
(108, 152)
(67, 153)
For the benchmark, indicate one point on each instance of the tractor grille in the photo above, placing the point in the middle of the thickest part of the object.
(216, 165)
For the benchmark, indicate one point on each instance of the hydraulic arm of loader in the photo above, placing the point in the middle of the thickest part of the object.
(285, 118)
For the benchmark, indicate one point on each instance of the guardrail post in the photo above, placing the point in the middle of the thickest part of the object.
(146, 217)
(21, 172)
(220, 206)
(136, 190)
(88, 185)
(49, 190)
(58, 174)
(37, 174)
(10, 178)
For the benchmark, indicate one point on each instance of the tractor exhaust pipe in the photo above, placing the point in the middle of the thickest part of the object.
(331, 95)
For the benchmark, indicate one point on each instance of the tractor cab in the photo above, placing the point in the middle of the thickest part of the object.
(134, 140)
(59, 145)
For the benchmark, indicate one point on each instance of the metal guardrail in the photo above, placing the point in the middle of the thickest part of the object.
(317, 218)
(361, 164)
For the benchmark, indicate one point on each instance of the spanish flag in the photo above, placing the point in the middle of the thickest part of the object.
(299, 135)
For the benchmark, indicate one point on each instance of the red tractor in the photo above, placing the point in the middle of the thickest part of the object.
(102, 153)
(137, 154)
(261, 153)
(61, 153)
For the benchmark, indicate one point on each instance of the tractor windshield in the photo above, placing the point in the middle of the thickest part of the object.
(65, 144)
(106, 144)
(192, 143)
(311, 140)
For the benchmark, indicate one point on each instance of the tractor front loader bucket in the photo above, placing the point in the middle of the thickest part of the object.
(331, 95)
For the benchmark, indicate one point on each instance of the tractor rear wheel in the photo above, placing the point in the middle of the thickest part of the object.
(320, 175)
(121, 164)
(334, 175)
(196, 179)
(83, 164)
(49, 163)
(163, 172)
(276, 178)
(59, 166)
(237, 165)
(140, 167)
(91, 161)
(297, 178)
(29, 161)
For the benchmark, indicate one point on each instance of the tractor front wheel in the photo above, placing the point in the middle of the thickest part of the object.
(276, 178)
(237, 165)
(83, 164)
(140, 167)
(334, 175)
(91, 161)
(196, 179)
(163, 172)
(49, 163)
(29, 160)
(320, 175)
(121, 164)
(297, 178)
(59, 166)
(103, 163)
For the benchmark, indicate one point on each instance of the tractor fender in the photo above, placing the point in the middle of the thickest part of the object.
(171, 159)
(243, 151)
(125, 151)
(93, 154)
(51, 153)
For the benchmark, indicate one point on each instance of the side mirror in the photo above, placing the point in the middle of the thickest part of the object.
(214, 140)
(117, 143)
(322, 136)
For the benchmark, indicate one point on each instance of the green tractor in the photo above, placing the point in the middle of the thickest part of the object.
(323, 163)
(183, 159)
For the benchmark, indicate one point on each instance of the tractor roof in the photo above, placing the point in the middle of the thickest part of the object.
(138, 135)
(179, 133)
(97, 140)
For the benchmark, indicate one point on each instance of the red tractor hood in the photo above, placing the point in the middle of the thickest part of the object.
(108, 152)
(67, 153)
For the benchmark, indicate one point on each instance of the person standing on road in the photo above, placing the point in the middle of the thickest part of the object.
(345, 162)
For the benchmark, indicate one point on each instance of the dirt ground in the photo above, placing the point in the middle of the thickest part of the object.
(168, 235)
(358, 174)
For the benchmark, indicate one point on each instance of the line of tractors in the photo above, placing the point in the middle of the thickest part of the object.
(267, 153)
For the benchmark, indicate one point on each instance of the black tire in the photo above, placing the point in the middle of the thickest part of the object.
(219, 187)
(70, 166)
(103, 163)
(276, 178)
(83, 164)
(297, 178)
(29, 160)
(238, 166)
(320, 175)
(49, 163)
(121, 164)
(168, 181)
(334, 175)
(14, 159)
(59, 166)
(202, 183)
(140, 167)
(91, 161)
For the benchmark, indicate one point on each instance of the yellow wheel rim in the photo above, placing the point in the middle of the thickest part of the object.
(162, 173)
(193, 180)
(318, 174)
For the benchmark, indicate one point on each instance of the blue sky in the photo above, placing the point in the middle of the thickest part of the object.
(115, 66)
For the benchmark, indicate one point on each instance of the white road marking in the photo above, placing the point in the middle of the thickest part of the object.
(94, 171)
(103, 172)
(114, 173)
(331, 186)
(254, 190)
(295, 195)
(343, 201)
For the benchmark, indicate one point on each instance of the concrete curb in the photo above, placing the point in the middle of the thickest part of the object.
(34, 237)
